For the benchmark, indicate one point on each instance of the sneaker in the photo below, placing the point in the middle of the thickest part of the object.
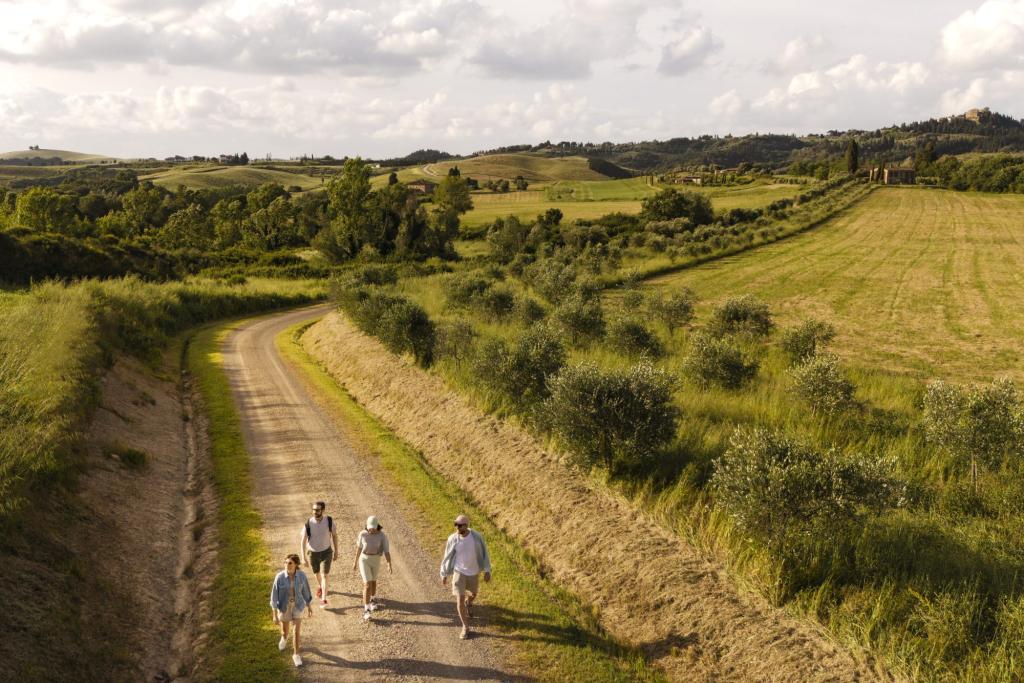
(366, 615)
(319, 592)
(373, 606)
(464, 635)
(323, 602)
(297, 659)
(282, 644)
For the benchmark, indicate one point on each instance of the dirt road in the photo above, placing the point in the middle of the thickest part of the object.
(298, 456)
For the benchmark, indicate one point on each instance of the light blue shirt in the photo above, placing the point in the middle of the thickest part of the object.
(279, 592)
(483, 559)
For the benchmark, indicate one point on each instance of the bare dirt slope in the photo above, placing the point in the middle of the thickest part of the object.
(143, 530)
(298, 456)
(653, 590)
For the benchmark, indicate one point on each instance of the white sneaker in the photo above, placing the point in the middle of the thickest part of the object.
(373, 607)
(366, 615)
(282, 644)
(297, 659)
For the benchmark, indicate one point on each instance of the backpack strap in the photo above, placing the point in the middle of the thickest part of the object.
(309, 532)
(330, 524)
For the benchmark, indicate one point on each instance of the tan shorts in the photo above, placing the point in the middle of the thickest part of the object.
(369, 567)
(289, 613)
(462, 583)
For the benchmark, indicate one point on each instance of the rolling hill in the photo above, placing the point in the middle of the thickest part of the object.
(199, 177)
(66, 156)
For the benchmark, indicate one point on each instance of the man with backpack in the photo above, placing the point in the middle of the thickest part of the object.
(319, 545)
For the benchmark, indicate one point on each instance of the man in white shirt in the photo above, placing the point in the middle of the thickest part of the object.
(319, 546)
(465, 556)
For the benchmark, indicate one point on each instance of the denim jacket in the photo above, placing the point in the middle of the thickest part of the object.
(483, 559)
(279, 592)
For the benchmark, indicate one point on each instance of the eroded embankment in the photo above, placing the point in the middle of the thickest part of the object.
(652, 589)
(147, 525)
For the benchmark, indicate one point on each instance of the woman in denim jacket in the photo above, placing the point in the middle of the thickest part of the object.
(289, 596)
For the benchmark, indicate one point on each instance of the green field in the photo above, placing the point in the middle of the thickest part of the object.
(508, 166)
(920, 281)
(593, 199)
(65, 155)
(200, 177)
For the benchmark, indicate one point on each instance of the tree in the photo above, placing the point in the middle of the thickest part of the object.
(744, 315)
(821, 383)
(451, 199)
(142, 207)
(507, 237)
(227, 216)
(189, 228)
(673, 310)
(521, 371)
(852, 157)
(521, 183)
(349, 204)
(580, 318)
(975, 424)
(455, 340)
(454, 172)
(670, 203)
(605, 417)
(44, 209)
(393, 178)
(715, 361)
(271, 227)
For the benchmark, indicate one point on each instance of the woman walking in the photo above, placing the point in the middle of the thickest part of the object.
(289, 596)
(371, 545)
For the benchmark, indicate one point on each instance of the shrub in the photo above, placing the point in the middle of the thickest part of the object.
(455, 341)
(806, 339)
(608, 417)
(528, 311)
(463, 290)
(743, 315)
(975, 424)
(717, 362)
(674, 309)
(782, 491)
(580, 319)
(631, 337)
(520, 371)
(820, 383)
(401, 325)
(551, 278)
(496, 302)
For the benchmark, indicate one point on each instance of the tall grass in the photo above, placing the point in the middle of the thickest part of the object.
(56, 340)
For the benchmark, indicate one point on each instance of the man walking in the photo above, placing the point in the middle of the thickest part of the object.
(465, 556)
(319, 545)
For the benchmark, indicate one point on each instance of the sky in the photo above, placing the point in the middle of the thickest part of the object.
(381, 78)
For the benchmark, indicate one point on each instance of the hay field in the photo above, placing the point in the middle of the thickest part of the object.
(927, 282)
(200, 177)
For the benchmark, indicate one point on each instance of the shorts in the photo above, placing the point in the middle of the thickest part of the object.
(369, 567)
(462, 583)
(289, 613)
(322, 556)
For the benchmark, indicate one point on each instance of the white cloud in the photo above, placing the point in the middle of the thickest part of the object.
(689, 52)
(798, 53)
(991, 35)
(727, 104)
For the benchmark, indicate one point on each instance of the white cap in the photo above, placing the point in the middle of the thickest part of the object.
(371, 522)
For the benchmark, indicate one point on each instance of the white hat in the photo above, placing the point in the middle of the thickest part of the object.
(371, 522)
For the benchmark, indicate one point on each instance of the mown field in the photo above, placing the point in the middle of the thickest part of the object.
(65, 155)
(920, 281)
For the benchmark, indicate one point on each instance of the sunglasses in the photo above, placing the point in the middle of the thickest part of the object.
(460, 525)
(318, 511)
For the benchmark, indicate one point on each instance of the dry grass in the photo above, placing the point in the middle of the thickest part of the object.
(918, 281)
(200, 177)
(655, 591)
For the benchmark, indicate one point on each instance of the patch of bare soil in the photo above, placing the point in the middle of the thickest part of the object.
(652, 589)
(148, 525)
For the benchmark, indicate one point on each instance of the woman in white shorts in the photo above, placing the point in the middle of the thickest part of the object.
(371, 545)
(289, 598)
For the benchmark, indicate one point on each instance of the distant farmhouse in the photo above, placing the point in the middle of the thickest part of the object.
(422, 186)
(894, 176)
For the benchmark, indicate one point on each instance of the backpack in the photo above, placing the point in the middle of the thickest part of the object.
(330, 527)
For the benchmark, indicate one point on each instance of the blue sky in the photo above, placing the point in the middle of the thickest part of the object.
(377, 78)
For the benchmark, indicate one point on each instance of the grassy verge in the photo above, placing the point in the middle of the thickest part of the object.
(243, 636)
(557, 636)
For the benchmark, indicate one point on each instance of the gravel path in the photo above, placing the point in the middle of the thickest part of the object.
(298, 456)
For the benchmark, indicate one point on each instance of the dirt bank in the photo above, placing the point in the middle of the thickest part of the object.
(653, 590)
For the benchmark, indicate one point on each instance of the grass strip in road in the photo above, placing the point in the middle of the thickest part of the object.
(243, 637)
(556, 636)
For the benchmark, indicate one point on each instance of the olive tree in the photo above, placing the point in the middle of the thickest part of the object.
(821, 383)
(744, 315)
(605, 417)
(520, 371)
(580, 318)
(806, 339)
(717, 362)
(673, 310)
(975, 424)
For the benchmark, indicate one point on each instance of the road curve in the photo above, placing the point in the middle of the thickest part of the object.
(299, 455)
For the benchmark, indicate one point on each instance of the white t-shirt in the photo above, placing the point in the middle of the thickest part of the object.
(465, 556)
(319, 534)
